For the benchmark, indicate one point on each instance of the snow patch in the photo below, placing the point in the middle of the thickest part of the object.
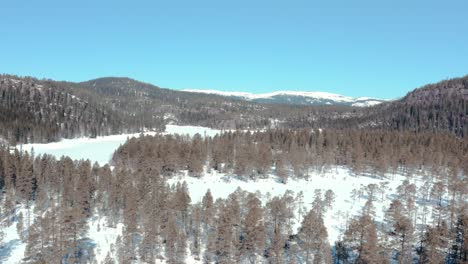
(340, 180)
(191, 130)
(104, 236)
(12, 248)
(100, 149)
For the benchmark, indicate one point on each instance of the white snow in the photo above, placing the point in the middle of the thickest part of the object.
(100, 149)
(104, 236)
(191, 130)
(312, 95)
(222, 93)
(339, 180)
(366, 103)
(12, 249)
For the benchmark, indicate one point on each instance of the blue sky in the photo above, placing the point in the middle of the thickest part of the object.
(358, 48)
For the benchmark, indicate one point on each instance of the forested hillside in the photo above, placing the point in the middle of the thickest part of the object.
(33, 110)
(149, 101)
(436, 107)
(439, 107)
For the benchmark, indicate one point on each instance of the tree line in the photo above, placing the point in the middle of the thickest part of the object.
(297, 153)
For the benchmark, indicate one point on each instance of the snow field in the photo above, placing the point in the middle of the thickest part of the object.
(100, 149)
(339, 180)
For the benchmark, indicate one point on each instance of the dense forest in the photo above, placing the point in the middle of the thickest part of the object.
(44, 111)
(296, 152)
(58, 197)
(439, 107)
(32, 112)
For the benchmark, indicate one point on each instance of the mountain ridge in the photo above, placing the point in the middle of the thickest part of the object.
(295, 97)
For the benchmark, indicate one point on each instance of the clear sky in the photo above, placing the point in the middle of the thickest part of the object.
(357, 48)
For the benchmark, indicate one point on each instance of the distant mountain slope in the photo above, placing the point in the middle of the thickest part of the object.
(33, 110)
(150, 103)
(40, 111)
(442, 106)
(439, 107)
(296, 98)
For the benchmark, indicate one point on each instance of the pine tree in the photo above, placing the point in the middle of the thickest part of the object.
(196, 157)
(329, 198)
(433, 245)
(208, 210)
(253, 230)
(171, 234)
(281, 168)
(314, 238)
(361, 236)
(196, 231)
(224, 235)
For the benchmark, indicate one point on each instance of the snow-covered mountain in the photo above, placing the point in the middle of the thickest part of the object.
(296, 97)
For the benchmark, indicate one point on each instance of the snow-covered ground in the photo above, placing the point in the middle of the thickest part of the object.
(340, 180)
(104, 237)
(191, 130)
(12, 251)
(100, 149)
(12, 248)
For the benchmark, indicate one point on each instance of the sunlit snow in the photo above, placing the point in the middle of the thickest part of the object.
(340, 180)
(312, 95)
(100, 149)
(13, 248)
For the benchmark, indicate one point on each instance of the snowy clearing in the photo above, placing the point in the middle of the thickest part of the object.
(100, 149)
(104, 237)
(340, 180)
